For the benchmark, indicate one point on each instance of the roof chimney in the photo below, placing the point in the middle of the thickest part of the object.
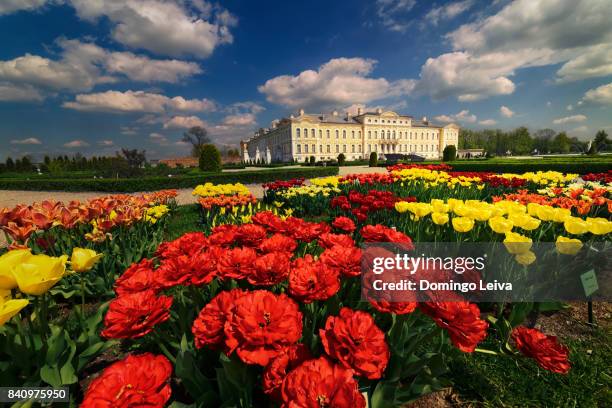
(424, 119)
(348, 116)
(301, 112)
(335, 113)
(379, 111)
(359, 111)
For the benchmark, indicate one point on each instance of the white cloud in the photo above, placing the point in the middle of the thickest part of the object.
(248, 106)
(448, 11)
(602, 95)
(464, 116)
(13, 92)
(569, 107)
(158, 138)
(549, 104)
(163, 27)
(506, 112)
(28, 141)
(11, 6)
(466, 77)
(570, 119)
(136, 101)
(596, 61)
(488, 122)
(340, 81)
(76, 143)
(393, 14)
(106, 143)
(83, 65)
(184, 122)
(524, 33)
(580, 129)
(128, 131)
(246, 119)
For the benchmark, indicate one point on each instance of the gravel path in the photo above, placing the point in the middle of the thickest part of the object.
(11, 198)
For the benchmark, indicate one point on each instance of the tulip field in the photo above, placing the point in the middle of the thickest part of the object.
(257, 302)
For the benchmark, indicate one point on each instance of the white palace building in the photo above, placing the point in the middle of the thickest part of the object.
(325, 136)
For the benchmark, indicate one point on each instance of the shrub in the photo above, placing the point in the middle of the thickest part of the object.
(449, 153)
(312, 160)
(341, 159)
(373, 160)
(210, 158)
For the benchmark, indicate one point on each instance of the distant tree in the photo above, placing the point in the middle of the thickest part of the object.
(312, 160)
(520, 141)
(449, 153)
(135, 158)
(373, 162)
(210, 158)
(47, 160)
(561, 143)
(10, 164)
(601, 141)
(542, 140)
(26, 164)
(197, 136)
(341, 159)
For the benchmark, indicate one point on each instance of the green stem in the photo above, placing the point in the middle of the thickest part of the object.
(485, 351)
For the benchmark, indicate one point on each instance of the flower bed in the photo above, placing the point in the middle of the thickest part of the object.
(263, 306)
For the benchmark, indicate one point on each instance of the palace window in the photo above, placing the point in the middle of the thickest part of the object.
(369, 134)
(359, 148)
(299, 148)
(376, 134)
(320, 133)
(328, 149)
(394, 134)
(352, 148)
(306, 148)
(312, 133)
(337, 134)
(344, 134)
(327, 131)
(343, 148)
(314, 148)
(297, 132)
(353, 134)
(337, 148)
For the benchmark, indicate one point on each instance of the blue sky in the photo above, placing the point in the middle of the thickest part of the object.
(92, 76)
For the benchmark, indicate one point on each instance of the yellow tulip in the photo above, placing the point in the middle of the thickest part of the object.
(500, 225)
(9, 308)
(439, 206)
(38, 273)
(525, 258)
(462, 210)
(7, 262)
(83, 259)
(568, 246)
(439, 218)
(517, 243)
(463, 224)
(421, 209)
(545, 213)
(524, 221)
(575, 226)
(561, 214)
(599, 226)
(402, 206)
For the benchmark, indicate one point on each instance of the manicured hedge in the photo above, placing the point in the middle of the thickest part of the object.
(569, 166)
(160, 183)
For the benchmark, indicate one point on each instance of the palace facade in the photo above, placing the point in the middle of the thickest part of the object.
(325, 136)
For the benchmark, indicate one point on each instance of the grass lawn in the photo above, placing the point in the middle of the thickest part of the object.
(492, 382)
